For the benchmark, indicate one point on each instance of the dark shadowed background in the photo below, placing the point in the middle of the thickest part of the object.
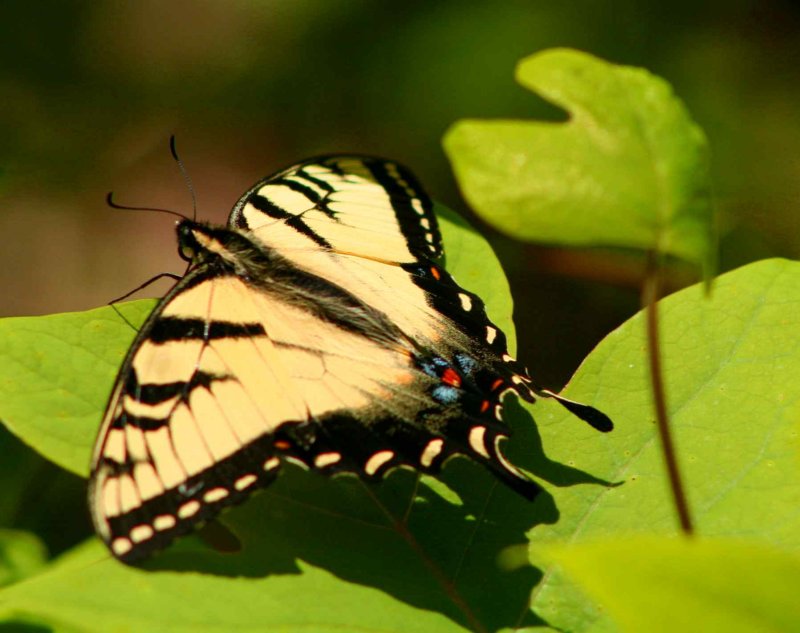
(91, 91)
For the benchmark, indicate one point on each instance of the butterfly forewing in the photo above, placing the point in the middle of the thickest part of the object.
(368, 207)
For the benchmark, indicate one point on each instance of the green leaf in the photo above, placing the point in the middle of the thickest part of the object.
(22, 554)
(657, 584)
(731, 364)
(324, 554)
(55, 376)
(316, 553)
(89, 592)
(629, 168)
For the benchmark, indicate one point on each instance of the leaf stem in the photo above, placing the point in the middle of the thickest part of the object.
(650, 296)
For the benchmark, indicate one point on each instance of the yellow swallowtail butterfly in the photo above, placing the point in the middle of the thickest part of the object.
(318, 327)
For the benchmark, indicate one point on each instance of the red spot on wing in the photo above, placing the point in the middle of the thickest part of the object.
(497, 383)
(484, 406)
(450, 377)
(282, 445)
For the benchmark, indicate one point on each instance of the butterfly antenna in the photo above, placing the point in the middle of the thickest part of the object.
(185, 173)
(110, 202)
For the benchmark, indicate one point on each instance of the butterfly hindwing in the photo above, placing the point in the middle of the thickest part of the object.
(318, 327)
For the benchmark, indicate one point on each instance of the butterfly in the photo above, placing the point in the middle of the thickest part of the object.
(318, 327)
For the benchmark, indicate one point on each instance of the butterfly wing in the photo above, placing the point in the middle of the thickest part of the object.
(225, 382)
(221, 385)
(369, 207)
(366, 225)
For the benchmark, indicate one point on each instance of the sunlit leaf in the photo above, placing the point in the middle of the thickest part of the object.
(731, 364)
(56, 374)
(663, 585)
(629, 168)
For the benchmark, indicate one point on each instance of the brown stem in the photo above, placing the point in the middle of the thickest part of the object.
(650, 292)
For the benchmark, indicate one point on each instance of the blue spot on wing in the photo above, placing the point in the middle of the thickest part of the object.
(445, 394)
(466, 364)
(433, 366)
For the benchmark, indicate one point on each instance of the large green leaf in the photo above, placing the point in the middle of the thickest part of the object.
(411, 555)
(661, 585)
(629, 168)
(731, 364)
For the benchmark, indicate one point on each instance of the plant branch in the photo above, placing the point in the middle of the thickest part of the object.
(650, 296)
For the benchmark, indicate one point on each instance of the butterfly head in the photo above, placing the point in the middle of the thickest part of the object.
(199, 242)
(189, 243)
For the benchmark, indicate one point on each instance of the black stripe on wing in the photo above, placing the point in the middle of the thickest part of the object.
(468, 312)
(265, 205)
(166, 329)
(409, 203)
(314, 180)
(412, 206)
(157, 393)
(295, 185)
(153, 394)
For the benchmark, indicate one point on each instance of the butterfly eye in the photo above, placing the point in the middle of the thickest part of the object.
(187, 242)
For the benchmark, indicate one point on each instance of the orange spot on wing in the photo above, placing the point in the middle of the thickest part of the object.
(497, 383)
(282, 445)
(450, 377)
(484, 406)
(435, 273)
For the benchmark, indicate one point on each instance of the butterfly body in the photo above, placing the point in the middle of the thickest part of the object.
(317, 327)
